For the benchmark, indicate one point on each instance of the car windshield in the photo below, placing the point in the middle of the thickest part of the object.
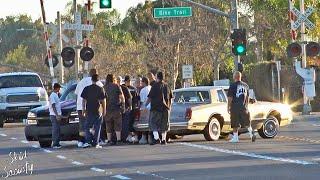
(192, 97)
(69, 94)
(20, 81)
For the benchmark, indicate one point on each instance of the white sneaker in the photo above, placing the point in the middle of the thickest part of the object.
(135, 139)
(86, 145)
(80, 144)
(129, 138)
(102, 143)
(98, 146)
(234, 139)
(143, 140)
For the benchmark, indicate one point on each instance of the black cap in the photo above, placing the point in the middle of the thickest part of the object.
(127, 78)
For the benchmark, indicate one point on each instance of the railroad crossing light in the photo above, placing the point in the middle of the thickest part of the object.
(86, 54)
(294, 50)
(55, 61)
(105, 4)
(68, 56)
(312, 49)
(239, 42)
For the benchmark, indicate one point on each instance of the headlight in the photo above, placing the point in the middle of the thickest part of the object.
(74, 118)
(2, 99)
(32, 122)
(31, 115)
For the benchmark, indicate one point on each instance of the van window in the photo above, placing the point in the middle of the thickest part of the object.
(20, 81)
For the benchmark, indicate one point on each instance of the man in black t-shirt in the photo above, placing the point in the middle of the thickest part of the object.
(160, 97)
(238, 99)
(93, 100)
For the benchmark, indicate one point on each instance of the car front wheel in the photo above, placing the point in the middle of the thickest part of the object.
(45, 144)
(270, 128)
(212, 131)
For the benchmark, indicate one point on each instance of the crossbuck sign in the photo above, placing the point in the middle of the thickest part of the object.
(302, 18)
(78, 27)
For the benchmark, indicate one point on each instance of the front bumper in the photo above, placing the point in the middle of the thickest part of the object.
(68, 132)
(18, 110)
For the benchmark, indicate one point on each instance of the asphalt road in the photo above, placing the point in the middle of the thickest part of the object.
(294, 154)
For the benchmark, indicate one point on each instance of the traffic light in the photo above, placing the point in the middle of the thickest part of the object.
(86, 54)
(105, 4)
(55, 61)
(239, 42)
(312, 49)
(68, 56)
(294, 50)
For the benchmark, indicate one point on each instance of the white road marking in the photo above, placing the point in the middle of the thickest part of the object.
(13, 138)
(61, 157)
(3, 135)
(24, 142)
(35, 146)
(47, 151)
(121, 177)
(316, 125)
(97, 169)
(77, 163)
(316, 159)
(252, 155)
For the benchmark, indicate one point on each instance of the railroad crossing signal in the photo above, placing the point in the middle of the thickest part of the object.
(86, 54)
(68, 56)
(105, 4)
(55, 61)
(239, 42)
(302, 18)
(295, 49)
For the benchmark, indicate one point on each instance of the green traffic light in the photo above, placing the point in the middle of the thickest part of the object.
(240, 49)
(105, 3)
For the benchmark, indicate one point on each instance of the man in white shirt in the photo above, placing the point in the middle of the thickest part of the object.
(55, 115)
(80, 87)
(145, 109)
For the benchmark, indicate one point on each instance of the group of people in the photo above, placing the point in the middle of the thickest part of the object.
(107, 110)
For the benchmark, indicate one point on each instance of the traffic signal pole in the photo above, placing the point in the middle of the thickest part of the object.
(233, 16)
(77, 56)
(61, 69)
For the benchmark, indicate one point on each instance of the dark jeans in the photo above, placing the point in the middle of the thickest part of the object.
(125, 125)
(55, 131)
(95, 122)
(82, 123)
(103, 134)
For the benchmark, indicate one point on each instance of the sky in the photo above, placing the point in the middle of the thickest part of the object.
(33, 8)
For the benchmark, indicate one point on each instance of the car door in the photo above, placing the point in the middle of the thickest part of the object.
(223, 108)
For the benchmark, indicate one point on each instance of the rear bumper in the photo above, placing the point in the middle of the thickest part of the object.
(68, 132)
(141, 127)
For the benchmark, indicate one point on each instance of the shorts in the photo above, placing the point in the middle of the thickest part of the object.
(113, 121)
(240, 118)
(159, 121)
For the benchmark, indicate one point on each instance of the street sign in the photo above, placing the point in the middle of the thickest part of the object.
(187, 72)
(172, 12)
(302, 18)
(78, 27)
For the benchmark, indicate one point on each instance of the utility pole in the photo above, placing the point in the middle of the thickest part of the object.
(75, 10)
(60, 46)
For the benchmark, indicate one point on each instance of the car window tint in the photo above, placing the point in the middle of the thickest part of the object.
(71, 95)
(221, 96)
(20, 81)
(192, 97)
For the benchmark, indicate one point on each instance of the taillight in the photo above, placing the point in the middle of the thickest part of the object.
(188, 113)
(137, 114)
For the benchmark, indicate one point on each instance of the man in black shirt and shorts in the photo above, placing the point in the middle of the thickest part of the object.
(238, 99)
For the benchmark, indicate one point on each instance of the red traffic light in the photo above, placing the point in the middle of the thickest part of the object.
(312, 49)
(294, 50)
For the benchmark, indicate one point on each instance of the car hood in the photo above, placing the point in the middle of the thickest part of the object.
(65, 106)
(21, 90)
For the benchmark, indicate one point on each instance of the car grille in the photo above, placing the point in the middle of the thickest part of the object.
(23, 98)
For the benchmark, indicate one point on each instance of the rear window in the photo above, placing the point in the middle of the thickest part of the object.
(20, 81)
(192, 97)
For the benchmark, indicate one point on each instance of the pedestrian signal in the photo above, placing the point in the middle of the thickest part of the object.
(86, 54)
(294, 50)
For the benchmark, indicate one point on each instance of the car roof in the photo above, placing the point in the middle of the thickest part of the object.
(198, 88)
(18, 74)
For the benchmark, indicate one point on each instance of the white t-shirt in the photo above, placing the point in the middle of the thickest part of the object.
(144, 96)
(54, 99)
(80, 87)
